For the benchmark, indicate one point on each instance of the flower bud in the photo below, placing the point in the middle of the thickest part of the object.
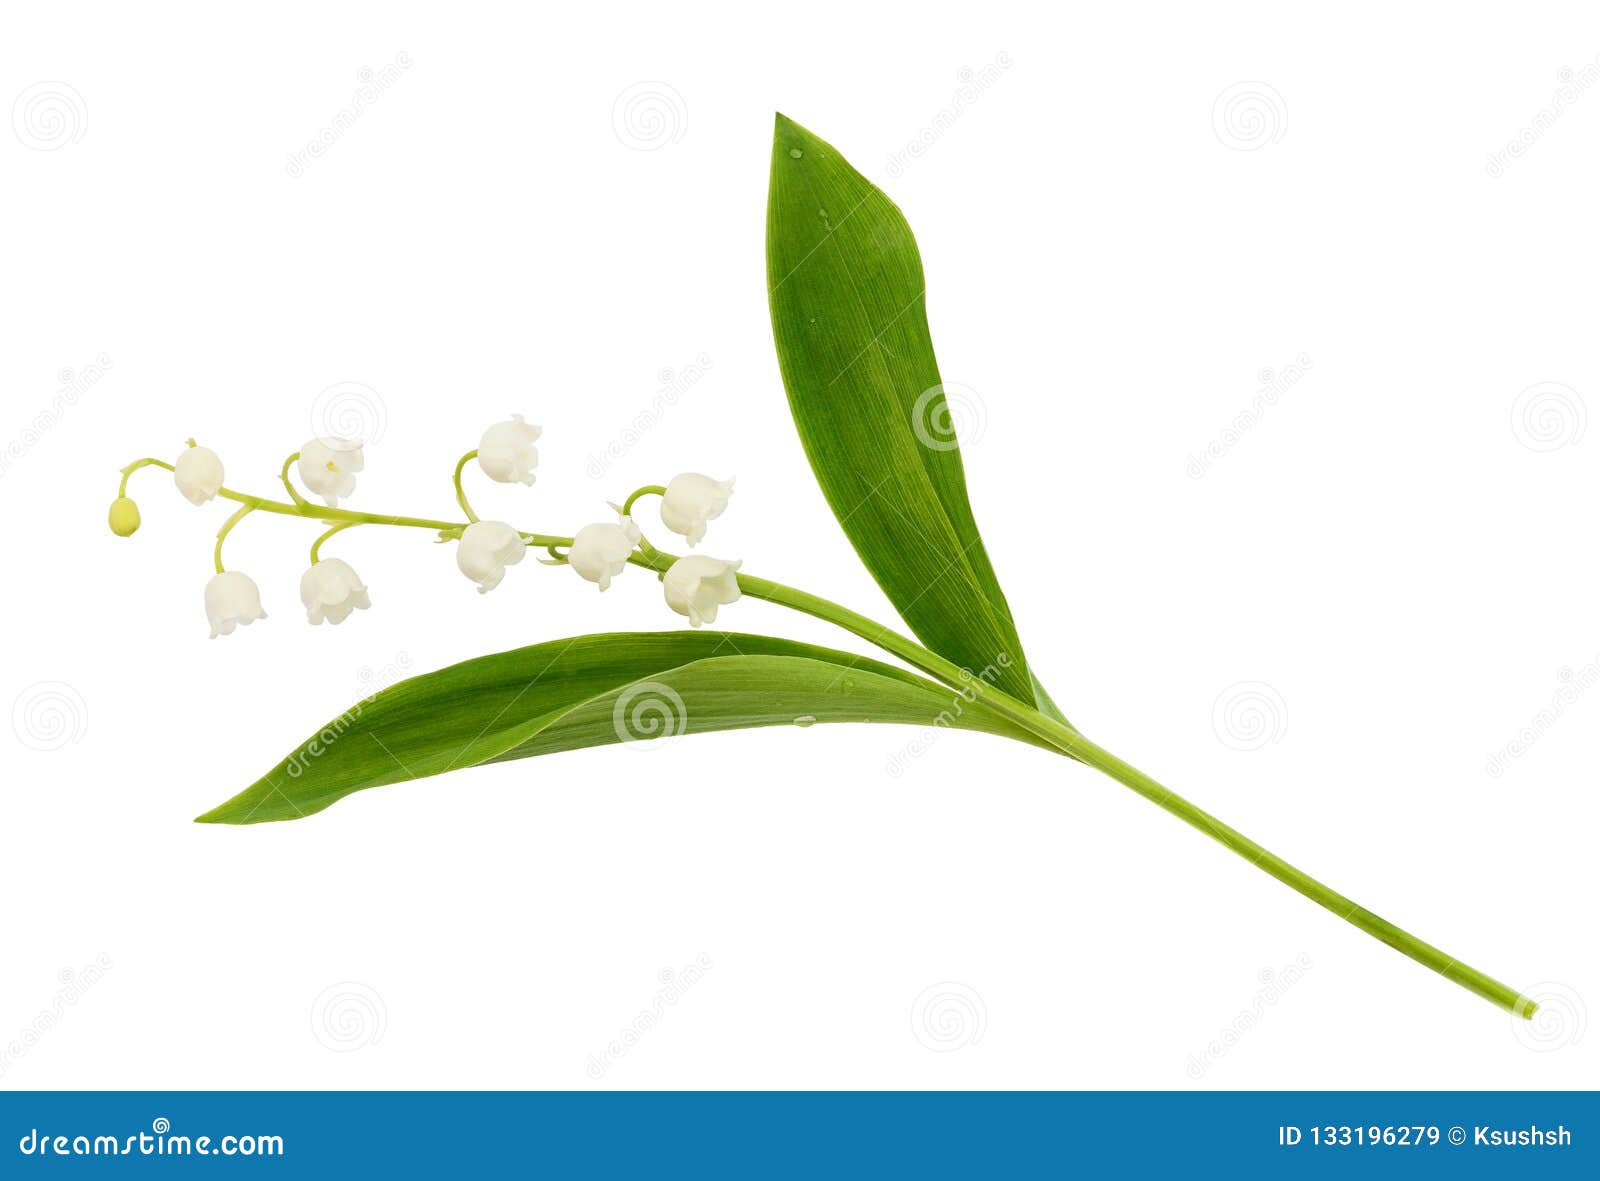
(124, 517)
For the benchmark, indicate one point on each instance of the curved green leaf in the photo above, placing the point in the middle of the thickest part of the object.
(591, 691)
(849, 317)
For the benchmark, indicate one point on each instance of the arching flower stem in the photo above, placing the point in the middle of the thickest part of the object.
(227, 527)
(461, 495)
(645, 548)
(316, 546)
(647, 490)
(294, 493)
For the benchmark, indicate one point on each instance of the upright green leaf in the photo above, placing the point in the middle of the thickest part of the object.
(848, 303)
(591, 691)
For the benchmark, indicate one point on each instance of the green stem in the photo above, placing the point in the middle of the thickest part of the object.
(122, 490)
(461, 495)
(650, 552)
(319, 512)
(316, 546)
(1070, 742)
(227, 528)
(1296, 879)
(647, 490)
(294, 493)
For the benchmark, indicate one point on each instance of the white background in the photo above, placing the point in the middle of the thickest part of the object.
(1396, 556)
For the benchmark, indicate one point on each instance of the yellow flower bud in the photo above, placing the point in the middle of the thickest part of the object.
(124, 516)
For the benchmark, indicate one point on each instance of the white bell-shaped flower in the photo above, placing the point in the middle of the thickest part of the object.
(328, 467)
(486, 549)
(691, 500)
(696, 586)
(507, 454)
(232, 599)
(600, 552)
(198, 473)
(330, 590)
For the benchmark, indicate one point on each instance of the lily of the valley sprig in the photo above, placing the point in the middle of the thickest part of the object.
(846, 295)
(331, 591)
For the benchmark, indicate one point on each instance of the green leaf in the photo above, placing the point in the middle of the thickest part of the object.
(591, 691)
(849, 317)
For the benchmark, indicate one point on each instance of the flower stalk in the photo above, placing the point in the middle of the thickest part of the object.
(1071, 742)
(461, 493)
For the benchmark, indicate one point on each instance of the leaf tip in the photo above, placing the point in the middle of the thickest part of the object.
(239, 809)
(215, 816)
(786, 133)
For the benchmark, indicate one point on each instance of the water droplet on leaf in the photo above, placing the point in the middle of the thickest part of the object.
(805, 720)
(795, 153)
